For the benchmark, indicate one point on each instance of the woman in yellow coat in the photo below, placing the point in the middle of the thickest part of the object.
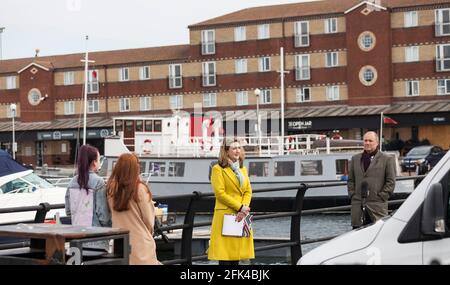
(231, 186)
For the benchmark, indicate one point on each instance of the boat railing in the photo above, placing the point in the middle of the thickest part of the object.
(271, 145)
(186, 257)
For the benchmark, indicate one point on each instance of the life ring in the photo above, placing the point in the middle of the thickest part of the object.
(146, 146)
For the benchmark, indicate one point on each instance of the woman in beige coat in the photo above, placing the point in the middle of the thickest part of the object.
(131, 205)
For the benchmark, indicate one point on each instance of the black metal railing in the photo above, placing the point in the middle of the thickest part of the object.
(295, 242)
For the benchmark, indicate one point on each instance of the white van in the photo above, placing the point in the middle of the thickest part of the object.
(417, 233)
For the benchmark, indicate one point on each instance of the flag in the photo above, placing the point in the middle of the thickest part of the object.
(94, 74)
(247, 225)
(388, 120)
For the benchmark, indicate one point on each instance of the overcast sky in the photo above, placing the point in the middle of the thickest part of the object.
(60, 26)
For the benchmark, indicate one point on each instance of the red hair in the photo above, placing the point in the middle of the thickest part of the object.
(124, 182)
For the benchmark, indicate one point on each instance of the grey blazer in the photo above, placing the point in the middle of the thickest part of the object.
(380, 176)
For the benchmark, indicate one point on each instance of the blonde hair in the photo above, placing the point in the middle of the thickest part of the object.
(223, 154)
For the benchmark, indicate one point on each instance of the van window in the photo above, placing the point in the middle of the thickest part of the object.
(446, 187)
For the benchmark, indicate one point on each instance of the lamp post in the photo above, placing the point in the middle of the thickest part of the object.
(1, 48)
(13, 114)
(258, 121)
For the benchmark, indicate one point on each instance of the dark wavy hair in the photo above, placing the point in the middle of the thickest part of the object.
(86, 155)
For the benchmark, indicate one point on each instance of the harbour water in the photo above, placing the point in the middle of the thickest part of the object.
(311, 227)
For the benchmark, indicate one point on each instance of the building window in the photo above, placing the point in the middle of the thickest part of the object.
(443, 87)
(69, 108)
(443, 57)
(69, 78)
(240, 34)
(242, 98)
(368, 75)
(93, 106)
(11, 82)
(366, 41)
(263, 31)
(175, 76)
(412, 88)
(333, 93)
(266, 96)
(208, 42)
(209, 73)
(410, 19)
(209, 100)
(301, 34)
(124, 105)
(144, 72)
(442, 18)
(331, 59)
(176, 101)
(124, 74)
(411, 54)
(145, 103)
(302, 68)
(93, 82)
(331, 26)
(264, 64)
(303, 94)
(240, 66)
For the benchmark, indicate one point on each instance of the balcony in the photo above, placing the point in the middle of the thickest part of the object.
(175, 82)
(442, 64)
(209, 79)
(303, 73)
(442, 29)
(301, 40)
(208, 48)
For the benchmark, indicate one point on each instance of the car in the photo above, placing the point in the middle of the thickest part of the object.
(417, 155)
(417, 233)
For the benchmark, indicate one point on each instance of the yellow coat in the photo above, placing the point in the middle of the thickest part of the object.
(229, 198)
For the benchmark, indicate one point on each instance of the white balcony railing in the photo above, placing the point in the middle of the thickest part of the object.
(442, 29)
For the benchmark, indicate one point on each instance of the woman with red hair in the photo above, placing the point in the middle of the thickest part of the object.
(132, 208)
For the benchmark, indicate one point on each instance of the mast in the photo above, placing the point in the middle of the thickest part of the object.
(86, 80)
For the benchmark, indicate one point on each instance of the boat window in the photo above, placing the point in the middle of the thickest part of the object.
(148, 126)
(157, 126)
(176, 169)
(284, 168)
(341, 167)
(157, 168)
(129, 125)
(37, 181)
(311, 167)
(139, 126)
(259, 169)
(16, 186)
(119, 125)
(142, 166)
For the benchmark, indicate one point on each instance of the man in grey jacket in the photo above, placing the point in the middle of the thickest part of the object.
(374, 173)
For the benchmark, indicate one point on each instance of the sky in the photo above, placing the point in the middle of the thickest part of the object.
(60, 26)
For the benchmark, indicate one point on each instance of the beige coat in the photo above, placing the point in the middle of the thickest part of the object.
(380, 177)
(139, 220)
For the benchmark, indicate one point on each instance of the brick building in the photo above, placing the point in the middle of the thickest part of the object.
(347, 61)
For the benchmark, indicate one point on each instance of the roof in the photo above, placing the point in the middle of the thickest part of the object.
(304, 9)
(152, 54)
(59, 124)
(346, 111)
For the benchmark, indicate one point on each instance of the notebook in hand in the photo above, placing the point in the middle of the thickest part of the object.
(231, 227)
